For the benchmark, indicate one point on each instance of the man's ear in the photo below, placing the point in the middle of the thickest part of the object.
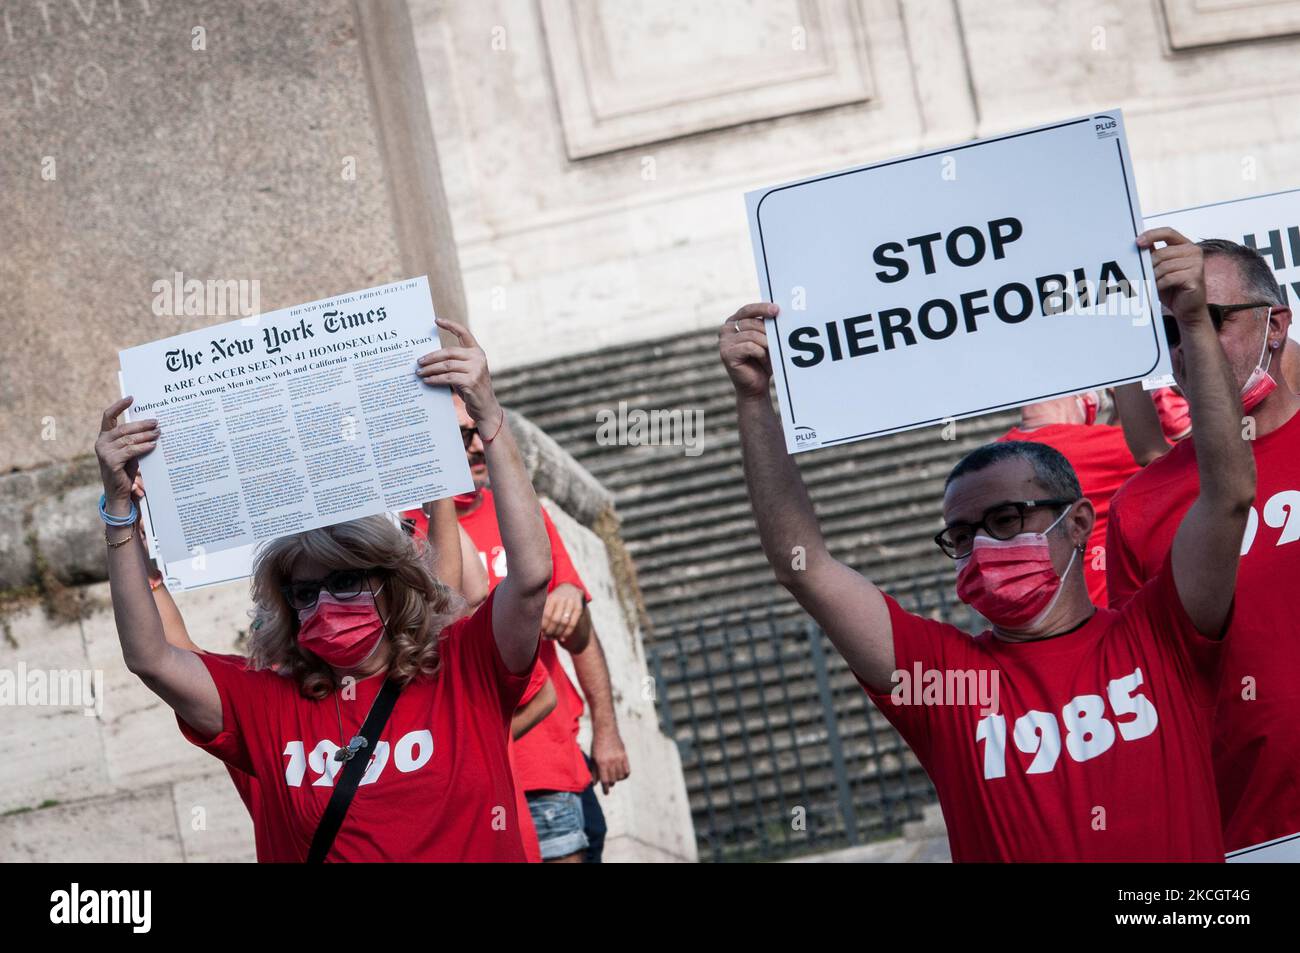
(1082, 521)
(1279, 322)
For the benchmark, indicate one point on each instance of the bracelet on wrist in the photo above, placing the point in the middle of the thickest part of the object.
(487, 441)
(114, 543)
(117, 520)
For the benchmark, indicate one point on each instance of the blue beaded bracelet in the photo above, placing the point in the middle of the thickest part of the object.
(117, 520)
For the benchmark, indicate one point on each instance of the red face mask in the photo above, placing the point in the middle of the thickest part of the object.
(341, 634)
(1175, 420)
(1260, 383)
(1011, 582)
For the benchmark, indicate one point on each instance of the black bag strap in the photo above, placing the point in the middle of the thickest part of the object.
(362, 748)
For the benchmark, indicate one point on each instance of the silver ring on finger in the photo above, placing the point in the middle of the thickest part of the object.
(736, 324)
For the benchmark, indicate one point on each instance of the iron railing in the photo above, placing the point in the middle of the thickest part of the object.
(784, 753)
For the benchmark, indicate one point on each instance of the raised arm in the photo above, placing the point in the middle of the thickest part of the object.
(473, 576)
(521, 596)
(1207, 546)
(442, 545)
(173, 623)
(847, 605)
(1140, 423)
(175, 675)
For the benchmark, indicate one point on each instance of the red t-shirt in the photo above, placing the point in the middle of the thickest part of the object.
(1102, 461)
(1099, 749)
(548, 758)
(1257, 737)
(532, 847)
(438, 787)
(245, 784)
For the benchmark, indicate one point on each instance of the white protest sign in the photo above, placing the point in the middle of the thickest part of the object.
(920, 290)
(302, 418)
(1270, 224)
(1282, 850)
(208, 569)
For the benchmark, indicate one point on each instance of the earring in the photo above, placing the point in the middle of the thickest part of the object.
(1273, 345)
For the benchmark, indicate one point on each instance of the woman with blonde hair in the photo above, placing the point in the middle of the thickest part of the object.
(374, 720)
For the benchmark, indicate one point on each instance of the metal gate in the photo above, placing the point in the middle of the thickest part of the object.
(784, 753)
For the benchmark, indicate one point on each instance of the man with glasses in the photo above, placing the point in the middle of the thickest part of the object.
(550, 766)
(1096, 742)
(1257, 731)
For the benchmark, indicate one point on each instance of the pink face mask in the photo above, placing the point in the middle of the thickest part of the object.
(342, 634)
(1260, 383)
(1175, 420)
(1011, 582)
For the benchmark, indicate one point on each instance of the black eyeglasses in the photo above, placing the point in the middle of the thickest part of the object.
(467, 435)
(341, 584)
(1218, 314)
(1001, 521)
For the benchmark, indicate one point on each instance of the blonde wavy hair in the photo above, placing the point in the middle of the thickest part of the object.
(419, 605)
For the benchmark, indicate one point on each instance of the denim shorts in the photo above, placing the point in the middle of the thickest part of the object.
(557, 815)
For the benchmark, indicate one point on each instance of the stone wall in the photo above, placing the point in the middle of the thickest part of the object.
(595, 154)
(285, 148)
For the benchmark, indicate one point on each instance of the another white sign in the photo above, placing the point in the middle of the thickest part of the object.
(298, 419)
(1283, 850)
(920, 290)
(1270, 224)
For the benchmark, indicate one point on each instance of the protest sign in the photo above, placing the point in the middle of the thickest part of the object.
(1270, 224)
(954, 283)
(1281, 850)
(298, 419)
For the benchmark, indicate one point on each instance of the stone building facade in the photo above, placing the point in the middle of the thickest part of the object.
(570, 174)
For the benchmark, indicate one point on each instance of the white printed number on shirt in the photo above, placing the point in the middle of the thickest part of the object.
(498, 566)
(1282, 511)
(412, 752)
(1088, 732)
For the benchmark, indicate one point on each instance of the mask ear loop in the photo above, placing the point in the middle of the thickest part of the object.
(1056, 522)
(373, 594)
(1259, 364)
(1078, 549)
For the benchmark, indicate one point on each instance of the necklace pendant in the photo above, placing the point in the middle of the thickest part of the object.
(350, 752)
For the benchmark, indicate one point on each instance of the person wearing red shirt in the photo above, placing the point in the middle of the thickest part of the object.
(439, 542)
(1101, 460)
(552, 767)
(1064, 732)
(346, 608)
(537, 702)
(1257, 734)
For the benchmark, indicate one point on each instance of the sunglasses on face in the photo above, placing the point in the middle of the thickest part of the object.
(467, 435)
(1218, 314)
(342, 584)
(1001, 521)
